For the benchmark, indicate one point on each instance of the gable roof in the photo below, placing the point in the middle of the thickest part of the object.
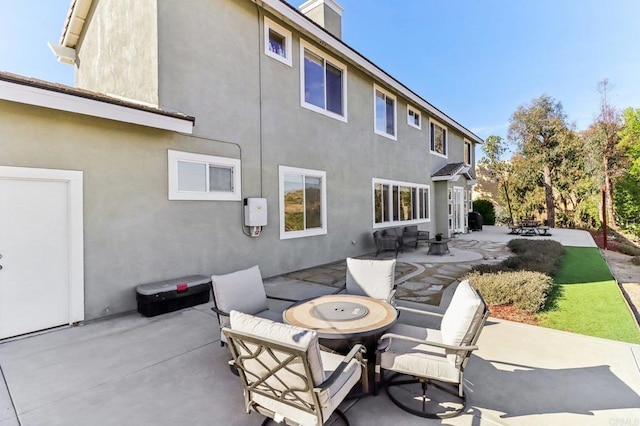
(36, 92)
(78, 12)
(453, 171)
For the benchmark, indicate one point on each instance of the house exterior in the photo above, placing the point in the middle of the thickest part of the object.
(286, 115)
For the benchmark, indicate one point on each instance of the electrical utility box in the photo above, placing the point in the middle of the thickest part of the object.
(255, 212)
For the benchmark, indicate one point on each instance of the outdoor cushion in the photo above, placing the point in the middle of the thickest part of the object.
(241, 290)
(373, 278)
(464, 311)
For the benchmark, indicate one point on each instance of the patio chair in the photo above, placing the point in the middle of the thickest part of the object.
(385, 243)
(418, 357)
(285, 374)
(413, 232)
(242, 291)
(373, 278)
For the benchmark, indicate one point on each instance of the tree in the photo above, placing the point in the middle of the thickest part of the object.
(538, 129)
(494, 148)
(601, 140)
(627, 193)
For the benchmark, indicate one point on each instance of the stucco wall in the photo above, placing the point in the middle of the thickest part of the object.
(132, 233)
(118, 52)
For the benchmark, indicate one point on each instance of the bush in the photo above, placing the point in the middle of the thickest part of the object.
(635, 260)
(487, 210)
(629, 249)
(525, 290)
(530, 255)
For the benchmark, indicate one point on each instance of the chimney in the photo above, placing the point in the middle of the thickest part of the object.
(326, 13)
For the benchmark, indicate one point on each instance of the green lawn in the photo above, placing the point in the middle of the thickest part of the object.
(588, 300)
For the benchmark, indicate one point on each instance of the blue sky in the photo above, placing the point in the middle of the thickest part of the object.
(476, 60)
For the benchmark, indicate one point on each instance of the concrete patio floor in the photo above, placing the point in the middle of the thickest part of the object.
(171, 370)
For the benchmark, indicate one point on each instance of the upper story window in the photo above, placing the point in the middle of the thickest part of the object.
(303, 202)
(277, 42)
(385, 113)
(438, 138)
(324, 83)
(413, 117)
(399, 202)
(468, 149)
(203, 177)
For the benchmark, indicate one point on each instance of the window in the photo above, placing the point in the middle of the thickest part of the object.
(303, 202)
(399, 202)
(277, 42)
(467, 152)
(385, 113)
(413, 117)
(324, 83)
(203, 177)
(438, 138)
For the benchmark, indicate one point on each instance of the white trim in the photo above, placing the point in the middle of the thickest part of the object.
(173, 157)
(288, 40)
(304, 45)
(446, 139)
(301, 22)
(387, 94)
(74, 179)
(416, 112)
(282, 170)
(29, 95)
(392, 222)
(311, 4)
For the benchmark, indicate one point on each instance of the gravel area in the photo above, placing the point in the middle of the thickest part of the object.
(628, 277)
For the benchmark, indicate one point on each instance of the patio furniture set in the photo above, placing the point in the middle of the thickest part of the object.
(529, 227)
(297, 366)
(397, 239)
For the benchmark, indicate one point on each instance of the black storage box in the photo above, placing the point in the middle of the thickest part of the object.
(170, 295)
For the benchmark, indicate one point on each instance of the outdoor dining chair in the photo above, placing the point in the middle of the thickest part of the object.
(242, 291)
(373, 278)
(285, 374)
(417, 357)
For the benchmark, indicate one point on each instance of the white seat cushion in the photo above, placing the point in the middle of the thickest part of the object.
(241, 291)
(373, 278)
(463, 313)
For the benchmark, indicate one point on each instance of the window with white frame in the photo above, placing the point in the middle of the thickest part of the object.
(303, 202)
(323, 83)
(277, 42)
(399, 202)
(467, 152)
(413, 117)
(203, 177)
(384, 113)
(437, 138)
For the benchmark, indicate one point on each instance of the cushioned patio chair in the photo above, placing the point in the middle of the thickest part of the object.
(373, 278)
(417, 357)
(286, 376)
(242, 291)
(386, 243)
(413, 232)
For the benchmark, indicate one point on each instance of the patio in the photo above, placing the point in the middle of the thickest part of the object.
(170, 369)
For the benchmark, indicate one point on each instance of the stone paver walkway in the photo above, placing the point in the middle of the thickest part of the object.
(420, 278)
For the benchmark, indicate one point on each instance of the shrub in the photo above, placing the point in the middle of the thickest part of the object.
(529, 255)
(525, 290)
(629, 249)
(487, 210)
(635, 260)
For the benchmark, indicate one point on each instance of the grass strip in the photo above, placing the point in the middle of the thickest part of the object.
(588, 300)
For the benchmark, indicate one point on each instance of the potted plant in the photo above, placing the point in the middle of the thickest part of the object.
(439, 237)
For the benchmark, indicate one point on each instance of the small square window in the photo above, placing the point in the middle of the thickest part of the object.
(414, 118)
(277, 41)
(203, 177)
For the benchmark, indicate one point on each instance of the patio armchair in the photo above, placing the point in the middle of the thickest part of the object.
(285, 374)
(242, 291)
(385, 243)
(373, 278)
(413, 232)
(417, 357)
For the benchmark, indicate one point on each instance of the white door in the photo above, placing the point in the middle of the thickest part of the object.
(458, 210)
(38, 245)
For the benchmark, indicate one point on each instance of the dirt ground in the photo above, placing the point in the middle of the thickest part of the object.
(628, 276)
